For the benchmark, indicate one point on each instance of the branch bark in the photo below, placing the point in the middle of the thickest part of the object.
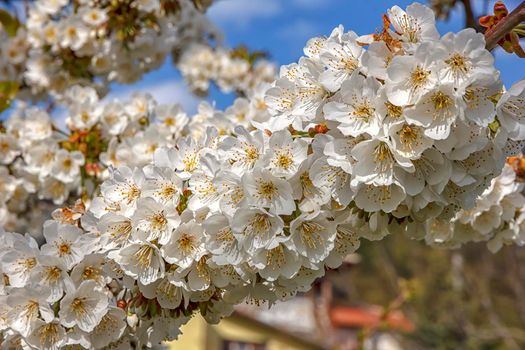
(504, 27)
(470, 18)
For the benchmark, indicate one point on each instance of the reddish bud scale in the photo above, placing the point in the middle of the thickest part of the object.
(92, 169)
(318, 129)
(122, 304)
(517, 164)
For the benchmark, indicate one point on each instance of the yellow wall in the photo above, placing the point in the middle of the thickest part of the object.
(193, 336)
(198, 335)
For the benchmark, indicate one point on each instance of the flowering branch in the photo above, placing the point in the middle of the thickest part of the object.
(505, 26)
(198, 214)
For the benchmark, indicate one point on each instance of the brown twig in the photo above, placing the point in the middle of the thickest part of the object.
(470, 18)
(505, 26)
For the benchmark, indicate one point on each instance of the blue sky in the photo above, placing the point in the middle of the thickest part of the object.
(281, 27)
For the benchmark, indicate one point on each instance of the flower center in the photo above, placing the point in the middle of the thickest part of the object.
(31, 310)
(28, 263)
(169, 121)
(382, 152)
(168, 191)
(310, 234)
(133, 193)
(84, 116)
(202, 269)
(364, 110)
(71, 31)
(441, 101)
(144, 255)
(90, 273)
(408, 135)
(4, 147)
(260, 223)
(79, 306)
(275, 257)
(458, 63)
(190, 162)
(186, 243)
(260, 104)
(284, 160)
(252, 154)
(48, 334)
(419, 77)
(267, 189)
(393, 111)
(410, 27)
(67, 163)
(158, 221)
(350, 64)
(64, 248)
(225, 235)
(53, 273)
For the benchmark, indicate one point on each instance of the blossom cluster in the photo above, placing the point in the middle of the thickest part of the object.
(40, 282)
(364, 136)
(410, 122)
(34, 169)
(497, 218)
(201, 64)
(66, 293)
(44, 167)
(351, 150)
(64, 43)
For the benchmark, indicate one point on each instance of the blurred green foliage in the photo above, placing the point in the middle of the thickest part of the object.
(458, 299)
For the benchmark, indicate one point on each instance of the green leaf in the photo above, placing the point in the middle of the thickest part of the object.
(494, 126)
(9, 22)
(8, 90)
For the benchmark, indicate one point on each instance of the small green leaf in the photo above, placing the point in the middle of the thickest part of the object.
(494, 126)
(8, 91)
(9, 22)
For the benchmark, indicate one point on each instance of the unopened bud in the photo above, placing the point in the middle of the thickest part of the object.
(121, 304)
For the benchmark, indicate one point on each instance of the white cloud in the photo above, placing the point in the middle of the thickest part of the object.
(300, 31)
(310, 4)
(242, 12)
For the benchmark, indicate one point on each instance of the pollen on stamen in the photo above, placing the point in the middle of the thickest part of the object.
(48, 334)
(27, 264)
(144, 256)
(363, 110)
(408, 136)
(79, 306)
(91, 273)
(64, 248)
(186, 243)
(393, 111)
(275, 257)
(258, 225)
(311, 234)
(158, 221)
(419, 77)
(53, 273)
(458, 64)
(284, 160)
(441, 100)
(266, 189)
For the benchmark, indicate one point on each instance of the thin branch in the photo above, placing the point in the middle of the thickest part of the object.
(505, 26)
(470, 18)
